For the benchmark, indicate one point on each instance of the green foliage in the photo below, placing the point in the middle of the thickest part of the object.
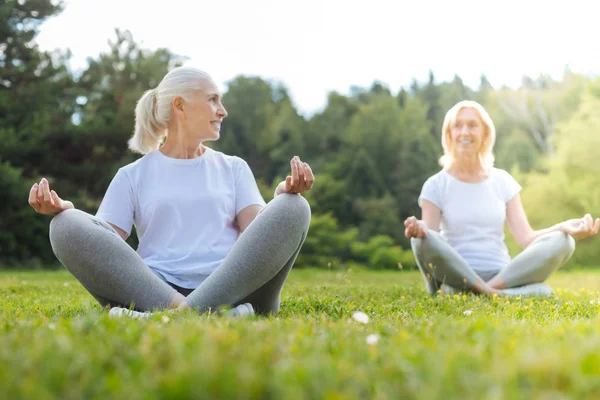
(18, 224)
(568, 188)
(327, 245)
(380, 252)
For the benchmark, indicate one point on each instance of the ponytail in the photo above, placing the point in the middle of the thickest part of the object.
(149, 132)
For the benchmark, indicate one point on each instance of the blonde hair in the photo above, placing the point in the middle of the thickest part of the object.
(154, 108)
(486, 157)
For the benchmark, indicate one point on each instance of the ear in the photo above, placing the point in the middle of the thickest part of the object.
(178, 104)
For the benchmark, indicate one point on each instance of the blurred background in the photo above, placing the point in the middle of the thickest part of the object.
(357, 89)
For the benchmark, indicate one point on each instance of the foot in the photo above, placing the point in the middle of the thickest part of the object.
(243, 310)
(119, 312)
(534, 289)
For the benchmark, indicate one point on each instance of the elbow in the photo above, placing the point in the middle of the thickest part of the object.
(524, 241)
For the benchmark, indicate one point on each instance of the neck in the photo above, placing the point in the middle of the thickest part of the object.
(467, 165)
(178, 145)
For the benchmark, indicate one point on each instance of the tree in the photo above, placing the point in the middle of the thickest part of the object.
(569, 188)
(36, 102)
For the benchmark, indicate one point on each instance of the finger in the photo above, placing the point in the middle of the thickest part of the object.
(288, 183)
(310, 177)
(294, 172)
(301, 176)
(55, 199)
(40, 192)
(47, 197)
(32, 200)
(584, 221)
(589, 222)
(596, 226)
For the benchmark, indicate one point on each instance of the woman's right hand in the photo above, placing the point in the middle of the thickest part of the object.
(414, 228)
(46, 201)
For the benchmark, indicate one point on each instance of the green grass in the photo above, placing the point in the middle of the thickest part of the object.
(55, 342)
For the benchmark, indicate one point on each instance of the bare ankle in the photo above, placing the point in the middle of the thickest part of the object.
(483, 288)
(496, 283)
(183, 306)
(178, 301)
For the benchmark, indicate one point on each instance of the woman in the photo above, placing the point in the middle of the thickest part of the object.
(468, 203)
(206, 238)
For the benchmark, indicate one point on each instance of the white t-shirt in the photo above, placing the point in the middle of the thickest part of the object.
(473, 215)
(183, 210)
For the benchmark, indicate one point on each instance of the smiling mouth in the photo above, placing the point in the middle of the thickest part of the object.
(216, 124)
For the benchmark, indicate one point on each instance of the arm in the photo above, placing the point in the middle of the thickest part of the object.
(120, 231)
(46, 202)
(524, 234)
(430, 219)
(246, 216)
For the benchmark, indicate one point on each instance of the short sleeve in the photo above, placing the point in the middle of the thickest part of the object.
(511, 187)
(246, 189)
(431, 192)
(117, 206)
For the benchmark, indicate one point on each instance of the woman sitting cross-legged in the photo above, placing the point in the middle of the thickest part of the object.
(459, 242)
(206, 237)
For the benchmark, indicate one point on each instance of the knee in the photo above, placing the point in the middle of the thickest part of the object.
(294, 209)
(563, 243)
(62, 226)
(419, 245)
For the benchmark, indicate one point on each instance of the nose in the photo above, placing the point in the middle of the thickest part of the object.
(222, 112)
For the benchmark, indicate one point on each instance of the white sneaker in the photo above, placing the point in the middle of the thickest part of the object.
(119, 312)
(534, 289)
(243, 310)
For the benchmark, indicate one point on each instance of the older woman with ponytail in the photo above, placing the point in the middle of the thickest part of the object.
(459, 241)
(206, 237)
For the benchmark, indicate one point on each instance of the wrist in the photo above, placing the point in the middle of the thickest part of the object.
(278, 189)
(560, 227)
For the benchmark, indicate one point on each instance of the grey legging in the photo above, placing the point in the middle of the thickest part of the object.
(253, 272)
(441, 264)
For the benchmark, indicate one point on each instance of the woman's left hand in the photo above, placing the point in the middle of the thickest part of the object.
(581, 228)
(301, 180)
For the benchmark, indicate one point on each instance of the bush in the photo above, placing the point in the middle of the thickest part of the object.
(381, 253)
(326, 246)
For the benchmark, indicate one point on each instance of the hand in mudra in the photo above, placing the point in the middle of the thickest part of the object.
(46, 201)
(301, 180)
(414, 228)
(581, 228)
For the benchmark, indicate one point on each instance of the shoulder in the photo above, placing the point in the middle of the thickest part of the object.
(220, 157)
(235, 163)
(133, 170)
(140, 162)
(438, 179)
(502, 175)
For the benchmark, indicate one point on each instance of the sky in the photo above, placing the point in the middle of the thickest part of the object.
(315, 47)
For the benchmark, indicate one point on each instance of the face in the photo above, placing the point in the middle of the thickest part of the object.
(203, 115)
(467, 132)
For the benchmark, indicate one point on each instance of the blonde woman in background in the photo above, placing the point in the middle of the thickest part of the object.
(206, 237)
(459, 241)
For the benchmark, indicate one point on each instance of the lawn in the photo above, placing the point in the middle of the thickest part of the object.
(55, 342)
